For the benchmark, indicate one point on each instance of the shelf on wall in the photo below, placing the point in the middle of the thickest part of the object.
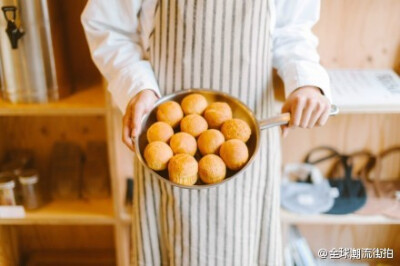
(294, 218)
(84, 101)
(72, 257)
(63, 212)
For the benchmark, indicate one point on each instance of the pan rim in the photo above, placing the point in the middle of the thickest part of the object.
(188, 91)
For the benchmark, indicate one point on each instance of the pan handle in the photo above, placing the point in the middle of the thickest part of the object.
(284, 119)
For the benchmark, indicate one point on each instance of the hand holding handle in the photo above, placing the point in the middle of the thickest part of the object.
(283, 119)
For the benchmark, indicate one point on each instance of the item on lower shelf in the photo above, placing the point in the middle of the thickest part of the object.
(312, 197)
(96, 181)
(66, 170)
(7, 187)
(16, 160)
(382, 197)
(299, 253)
(352, 195)
(31, 195)
(13, 166)
(381, 194)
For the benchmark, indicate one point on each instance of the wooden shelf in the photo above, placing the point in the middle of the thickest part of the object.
(369, 110)
(73, 257)
(294, 218)
(85, 101)
(68, 212)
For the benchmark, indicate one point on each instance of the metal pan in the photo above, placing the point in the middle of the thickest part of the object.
(239, 110)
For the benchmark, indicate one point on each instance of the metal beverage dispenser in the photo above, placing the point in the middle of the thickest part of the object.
(28, 72)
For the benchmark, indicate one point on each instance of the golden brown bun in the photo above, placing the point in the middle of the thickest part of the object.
(157, 154)
(194, 104)
(236, 129)
(212, 169)
(194, 125)
(183, 142)
(159, 131)
(210, 141)
(217, 113)
(235, 154)
(182, 169)
(170, 112)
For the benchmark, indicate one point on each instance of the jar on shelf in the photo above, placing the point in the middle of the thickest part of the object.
(14, 167)
(30, 191)
(7, 187)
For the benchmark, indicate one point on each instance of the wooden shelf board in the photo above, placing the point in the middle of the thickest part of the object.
(294, 218)
(85, 101)
(71, 257)
(369, 110)
(68, 212)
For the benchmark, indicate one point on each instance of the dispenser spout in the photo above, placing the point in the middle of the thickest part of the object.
(14, 33)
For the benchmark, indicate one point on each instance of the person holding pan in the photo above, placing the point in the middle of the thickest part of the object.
(148, 48)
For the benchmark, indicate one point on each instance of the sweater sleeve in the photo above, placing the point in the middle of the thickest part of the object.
(113, 32)
(295, 53)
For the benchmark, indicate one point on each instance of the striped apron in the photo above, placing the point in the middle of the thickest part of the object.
(225, 46)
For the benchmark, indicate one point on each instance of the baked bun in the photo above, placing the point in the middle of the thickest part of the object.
(212, 169)
(157, 154)
(159, 131)
(194, 104)
(194, 125)
(182, 169)
(170, 112)
(236, 129)
(217, 113)
(235, 154)
(210, 141)
(183, 142)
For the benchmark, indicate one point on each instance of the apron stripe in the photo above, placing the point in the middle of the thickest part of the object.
(177, 50)
(233, 42)
(213, 40)
(205, 58)
(188, 224)
(202, 257)
(258, 204)
(183, 231)
(223, 36)
(200, 226)
(220, 226)
(197, 56)
(141, 232)
(210, 232)
(245, 202)
(169, 77)
(171, 218)
(237, 219)
(188, 40)
(135, 250)
(144, 224)
(251, 50)
(155, 221)
(164, 248)
(260, 72)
